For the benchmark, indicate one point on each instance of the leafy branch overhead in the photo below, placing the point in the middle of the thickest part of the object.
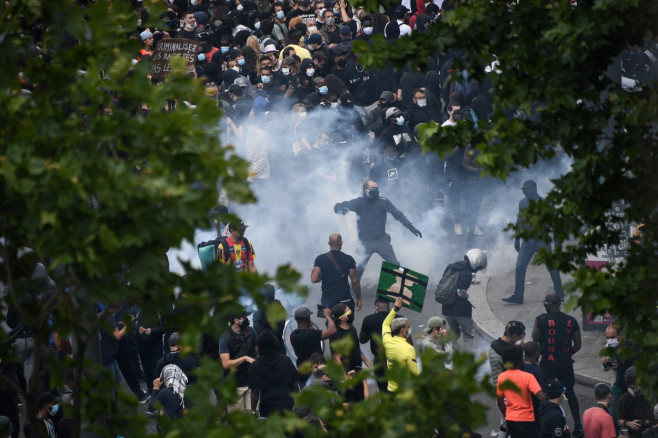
(555, 77)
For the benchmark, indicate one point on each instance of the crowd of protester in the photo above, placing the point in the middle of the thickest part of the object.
(295, 98)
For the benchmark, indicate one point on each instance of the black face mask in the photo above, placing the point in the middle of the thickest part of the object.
(373, 194)
(244, 324)
(342, 63)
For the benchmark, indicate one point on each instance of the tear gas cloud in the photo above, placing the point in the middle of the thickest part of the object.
(294, 216)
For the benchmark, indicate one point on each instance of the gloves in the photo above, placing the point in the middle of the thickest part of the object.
(416, 232)
(339, 210)
(517, 245)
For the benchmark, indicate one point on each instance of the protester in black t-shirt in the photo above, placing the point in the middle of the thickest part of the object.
(306, 340)
(352, 360)
(558, 336)
(371, 331)
(333, 269)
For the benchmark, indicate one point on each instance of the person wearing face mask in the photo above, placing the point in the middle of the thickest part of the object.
(237, 350)
(330, 32)
(435, 339)
(612, 362)
(371, 213)
(188, 26)
(280, 30)
(331, 102)
(47, 409)
(557, 328)
(396, 133)
(634, 411)
(399, 353)
(366, 28)
(307, 69)
(269, 87)
(552, 421)
(418, 109)
(321, 87)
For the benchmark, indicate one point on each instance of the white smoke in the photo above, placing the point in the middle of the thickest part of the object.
(294, 216)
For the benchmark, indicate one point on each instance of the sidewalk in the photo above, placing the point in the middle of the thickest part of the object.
(491, 314)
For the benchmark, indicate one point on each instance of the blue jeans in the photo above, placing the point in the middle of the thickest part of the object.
(528, 249)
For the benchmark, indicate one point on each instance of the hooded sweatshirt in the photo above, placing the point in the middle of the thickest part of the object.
(273, 375)
(552, 421)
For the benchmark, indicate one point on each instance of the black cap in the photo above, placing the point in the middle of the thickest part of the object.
(601, 390)
(45, 398)
(302, 313)
(554, 389)
(174, 338)
(240, 227)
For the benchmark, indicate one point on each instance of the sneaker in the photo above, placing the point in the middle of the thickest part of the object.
(154, 413)
(143, 398)
(514, 299)
(477, 231)
(20, 401)
(458, 229)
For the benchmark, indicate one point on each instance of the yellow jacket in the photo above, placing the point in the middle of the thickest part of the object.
(397, 350)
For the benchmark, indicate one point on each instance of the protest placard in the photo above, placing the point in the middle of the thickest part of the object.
(168, 47)
(395, 281)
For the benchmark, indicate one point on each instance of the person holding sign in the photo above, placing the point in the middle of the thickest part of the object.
(394, 337)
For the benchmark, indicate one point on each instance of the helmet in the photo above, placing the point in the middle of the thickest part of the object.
(477, 258)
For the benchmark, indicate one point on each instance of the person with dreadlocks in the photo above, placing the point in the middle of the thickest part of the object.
(172, 396)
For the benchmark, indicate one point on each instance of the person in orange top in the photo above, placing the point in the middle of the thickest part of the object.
(146, 52)
(519, 412)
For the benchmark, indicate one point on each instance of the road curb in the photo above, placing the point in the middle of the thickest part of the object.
(490, 327)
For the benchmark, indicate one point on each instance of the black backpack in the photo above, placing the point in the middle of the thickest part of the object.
(446, 290)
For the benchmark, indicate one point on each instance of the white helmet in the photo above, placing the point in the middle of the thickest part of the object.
(477, 258)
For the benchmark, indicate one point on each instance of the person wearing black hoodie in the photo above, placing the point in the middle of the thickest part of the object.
(552, 422)
(187, 363)
(272, 377)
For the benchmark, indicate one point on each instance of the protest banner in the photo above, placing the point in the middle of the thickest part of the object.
(168, 47)
(395, 281)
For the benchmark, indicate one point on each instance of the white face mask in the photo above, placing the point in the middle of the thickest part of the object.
(236, 69)
(239, 7)
(334, 105)
(613, 343)
(190, 26)
(301, 116)
(367, 30)
(421, 103)
(285, 71)
(312, 29)
(310, 72)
